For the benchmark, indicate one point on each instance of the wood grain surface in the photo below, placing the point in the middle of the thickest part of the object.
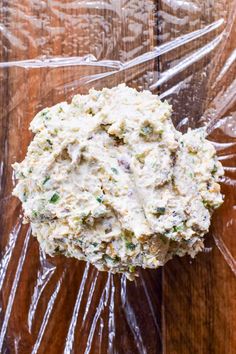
(58, 305)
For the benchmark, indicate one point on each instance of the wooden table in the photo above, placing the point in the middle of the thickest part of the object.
(58, 305)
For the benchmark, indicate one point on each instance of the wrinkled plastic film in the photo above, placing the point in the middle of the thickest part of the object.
(52, 50)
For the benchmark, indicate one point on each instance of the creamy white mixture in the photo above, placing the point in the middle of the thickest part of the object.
(108, 179)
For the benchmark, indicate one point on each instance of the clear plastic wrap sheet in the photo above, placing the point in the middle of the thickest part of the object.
(186, 52)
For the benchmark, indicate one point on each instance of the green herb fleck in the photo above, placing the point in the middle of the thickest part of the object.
(30, 170)
(178, 228)
(114, 170)
(25, 196)
(109, 258)
(44, 113)
(116, 259)
(47, 178)
(84, 217)
(191, 174)
(130, 246)
(214, 170)
(90, 111)
(182, 143)
(206, 203)
(34, 213)
(160, 210)
(49, 142)
(54, 198)
(140, 157)
(99, 199)
(132, 269)
(60, 110)
(57, 251)
(95, 244)
(127, 234)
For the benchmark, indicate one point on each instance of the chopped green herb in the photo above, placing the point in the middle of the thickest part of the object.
(114, 170)
(44, 113)
(132, 269)
(30, 170)
(84, 217)
(160, 132)
(22, 175)
(47, 178)
(127, 234)
(49, 142)
(34, 213)
(99, 199)
(147, 130)
(95, 244)
(109, 258)
(90, 111)
(206, 203)
(182, 143)
(58, 251)
(130, 246)
(214, 170)
(54, 198)
(191, 174)
(60, 110)
(160, 210)
(178, 228)
(140, 157)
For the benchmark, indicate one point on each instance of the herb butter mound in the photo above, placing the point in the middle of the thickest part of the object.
(108, 179)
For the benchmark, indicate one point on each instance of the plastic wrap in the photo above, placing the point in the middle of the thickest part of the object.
(186, 52)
